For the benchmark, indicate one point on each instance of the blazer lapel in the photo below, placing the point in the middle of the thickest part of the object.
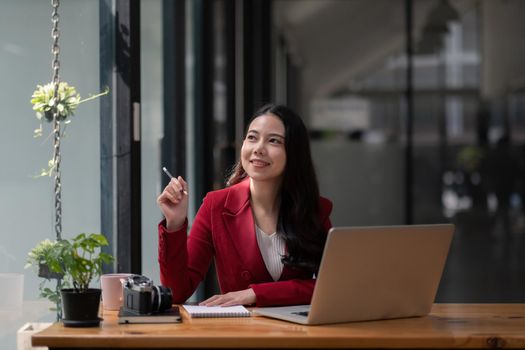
(239, 222)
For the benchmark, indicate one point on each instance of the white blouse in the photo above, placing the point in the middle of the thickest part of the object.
(272, 249)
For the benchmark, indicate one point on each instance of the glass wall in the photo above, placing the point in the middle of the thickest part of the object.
(26, 203)
(468, 132)
(469, 158)
(353, 108)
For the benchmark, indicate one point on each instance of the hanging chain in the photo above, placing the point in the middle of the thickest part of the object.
(55, 49)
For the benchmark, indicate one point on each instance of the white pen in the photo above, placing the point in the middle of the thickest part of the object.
(171, 177)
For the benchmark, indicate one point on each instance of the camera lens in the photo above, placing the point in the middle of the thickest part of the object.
(162, 298)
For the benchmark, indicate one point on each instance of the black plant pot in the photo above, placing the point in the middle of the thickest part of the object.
(80, 309)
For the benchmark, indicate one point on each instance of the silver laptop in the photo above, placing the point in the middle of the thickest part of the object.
(373, 273)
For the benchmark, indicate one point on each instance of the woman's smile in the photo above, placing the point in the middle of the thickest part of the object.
(259, 163)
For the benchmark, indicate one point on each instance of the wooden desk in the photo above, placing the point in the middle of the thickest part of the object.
(448, 326)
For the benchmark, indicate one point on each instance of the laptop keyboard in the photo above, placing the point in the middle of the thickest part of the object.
(301, 313)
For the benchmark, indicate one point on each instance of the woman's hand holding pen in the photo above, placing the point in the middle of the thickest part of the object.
(173, 202)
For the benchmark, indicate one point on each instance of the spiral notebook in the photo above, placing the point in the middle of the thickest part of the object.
(217, 311)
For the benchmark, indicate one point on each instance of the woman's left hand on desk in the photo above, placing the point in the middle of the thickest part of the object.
(241, 297)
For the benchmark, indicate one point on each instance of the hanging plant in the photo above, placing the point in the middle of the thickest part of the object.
(66, 103)
(71, 262)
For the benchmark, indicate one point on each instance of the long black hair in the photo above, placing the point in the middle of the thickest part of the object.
(298, 221)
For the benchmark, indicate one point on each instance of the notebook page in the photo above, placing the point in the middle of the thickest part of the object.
(217, 311)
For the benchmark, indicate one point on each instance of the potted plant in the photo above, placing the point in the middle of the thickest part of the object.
(78, 261)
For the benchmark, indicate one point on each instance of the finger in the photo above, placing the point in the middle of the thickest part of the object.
(209, 300)
(216, 302)
(219, 300)
(176, 185)
(168, 189)
(184, 184)
(175, 188)
(173, 198)
(167, 197)
(231, 303)
(175, 194)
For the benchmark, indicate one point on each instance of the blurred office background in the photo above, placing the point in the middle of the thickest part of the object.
(416, 110)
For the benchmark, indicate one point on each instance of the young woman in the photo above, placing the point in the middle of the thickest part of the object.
(266, 230)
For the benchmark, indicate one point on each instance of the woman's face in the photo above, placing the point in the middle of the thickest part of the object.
(263, 153)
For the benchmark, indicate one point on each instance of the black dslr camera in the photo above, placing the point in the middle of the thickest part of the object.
(142, 297)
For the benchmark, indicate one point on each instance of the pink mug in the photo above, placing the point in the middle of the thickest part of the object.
(111, 285)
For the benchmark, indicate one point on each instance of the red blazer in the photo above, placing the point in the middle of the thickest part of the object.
(224, 229)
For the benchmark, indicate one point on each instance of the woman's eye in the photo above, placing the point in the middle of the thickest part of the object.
(250, 137)
(275, 140)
